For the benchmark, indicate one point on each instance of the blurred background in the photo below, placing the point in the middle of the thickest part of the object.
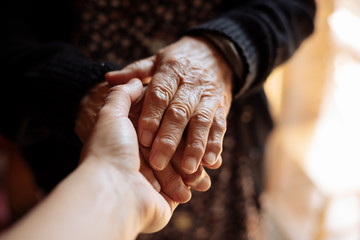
(313, 157)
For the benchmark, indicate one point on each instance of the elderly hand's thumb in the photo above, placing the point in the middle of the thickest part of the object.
(141, 69)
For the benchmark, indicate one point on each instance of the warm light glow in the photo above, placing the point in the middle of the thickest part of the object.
(333, 158)
(345, 26)
(344, 214)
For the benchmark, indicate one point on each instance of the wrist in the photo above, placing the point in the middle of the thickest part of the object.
(129, 190)
(212, 58)
(89, 204)
(229, 53)
(116, 203)
(149, 209)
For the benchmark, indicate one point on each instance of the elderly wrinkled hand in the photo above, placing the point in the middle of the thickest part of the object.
(170, 181)
(189, 96)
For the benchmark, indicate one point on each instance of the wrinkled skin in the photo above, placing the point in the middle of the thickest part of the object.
(190, 89)
(168, 181)
(189, 94)
(169, 177)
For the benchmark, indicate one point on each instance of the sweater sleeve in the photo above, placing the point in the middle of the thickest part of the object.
(265, 33)
(43, 80)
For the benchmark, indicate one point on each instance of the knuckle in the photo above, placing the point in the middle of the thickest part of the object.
(198, 146)
(149, 123)
(160, 94)
(167, 143)
(179, 113)
(220, 124)
(203, 118)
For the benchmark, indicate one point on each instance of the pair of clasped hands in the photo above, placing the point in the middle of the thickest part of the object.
(180, 117)
(177, 122)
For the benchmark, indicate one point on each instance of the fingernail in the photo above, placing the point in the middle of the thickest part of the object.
(156, 185)
(210, 158)
(111, 74)
(190, 165)
(134, 81)
(183, 194)
(197, 180)
(158, 161)
(146, 138)
(108, 74)
(204, 184)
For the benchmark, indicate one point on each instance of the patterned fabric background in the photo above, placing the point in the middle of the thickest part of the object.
(123, 31)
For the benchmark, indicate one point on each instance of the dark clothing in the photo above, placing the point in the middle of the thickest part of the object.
(44, 78)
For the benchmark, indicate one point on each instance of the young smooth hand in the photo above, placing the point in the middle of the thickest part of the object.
(114, 142)
(106, 196)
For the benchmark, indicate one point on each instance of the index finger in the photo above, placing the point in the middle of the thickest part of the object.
(158, 96)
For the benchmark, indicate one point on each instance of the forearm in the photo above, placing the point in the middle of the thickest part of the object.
(94, 202)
